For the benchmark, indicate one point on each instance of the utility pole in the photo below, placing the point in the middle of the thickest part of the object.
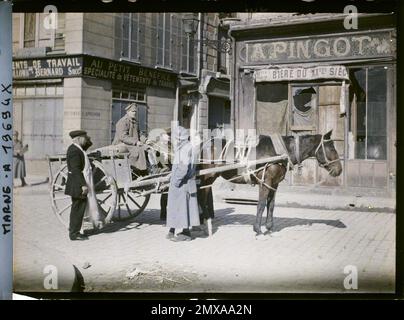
(6, 152)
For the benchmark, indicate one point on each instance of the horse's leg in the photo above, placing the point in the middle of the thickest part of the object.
(276, 173)
(270, 209)
(262, 202)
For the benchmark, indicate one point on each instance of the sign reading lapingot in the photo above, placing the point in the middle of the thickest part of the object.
(322, 48)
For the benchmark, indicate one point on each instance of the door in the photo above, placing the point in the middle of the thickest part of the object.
(219, 113)
(41, 126)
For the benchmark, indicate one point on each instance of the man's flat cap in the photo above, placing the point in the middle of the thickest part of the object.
(77, 133)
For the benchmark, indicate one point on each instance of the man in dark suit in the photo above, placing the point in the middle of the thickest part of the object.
(76, 185)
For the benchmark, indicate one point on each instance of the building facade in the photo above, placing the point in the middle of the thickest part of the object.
(306, 74)
(83, 72)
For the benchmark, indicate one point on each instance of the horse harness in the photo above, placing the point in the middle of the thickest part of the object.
(327, 161)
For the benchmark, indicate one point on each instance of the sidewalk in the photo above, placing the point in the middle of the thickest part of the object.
(287, 196)
(308, 197)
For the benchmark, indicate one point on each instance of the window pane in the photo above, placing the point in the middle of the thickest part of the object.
(142, 118)
(118, 35)
(359, 84)
(376, 114)
(134, 36)
(29, 30)
(40, 90)
(44, 34)
(50, 91)
(60, 32)
(30, 91)
(125, 36)
(167, 40)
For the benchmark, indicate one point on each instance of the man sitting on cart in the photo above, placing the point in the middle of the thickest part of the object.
(127, 133)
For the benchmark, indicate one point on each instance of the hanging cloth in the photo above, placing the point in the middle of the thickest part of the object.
(92, 207)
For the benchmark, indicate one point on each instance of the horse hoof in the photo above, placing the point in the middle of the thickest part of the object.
(260, 237)
(272, 234)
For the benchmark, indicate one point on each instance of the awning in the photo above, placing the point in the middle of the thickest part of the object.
(273, 74)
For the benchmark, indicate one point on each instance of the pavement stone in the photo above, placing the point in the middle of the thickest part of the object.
(307, 253)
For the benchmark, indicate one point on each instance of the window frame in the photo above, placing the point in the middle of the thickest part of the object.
(353, 114)
(37, 32)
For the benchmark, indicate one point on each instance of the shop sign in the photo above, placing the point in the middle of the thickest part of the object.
(301, 73)
(88, 66)
(125, 72)
(43, 68)
(322, 48)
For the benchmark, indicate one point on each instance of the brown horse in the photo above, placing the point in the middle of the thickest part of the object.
(299, 148)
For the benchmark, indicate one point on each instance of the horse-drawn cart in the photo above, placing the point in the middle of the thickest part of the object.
(120, 193)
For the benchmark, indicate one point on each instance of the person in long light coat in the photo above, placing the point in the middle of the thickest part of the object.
(182, 209)
(19, 161)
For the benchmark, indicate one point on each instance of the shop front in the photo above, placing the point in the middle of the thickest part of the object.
(297, 82)
(54, 95)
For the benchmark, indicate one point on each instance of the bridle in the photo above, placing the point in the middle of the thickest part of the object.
(327, 161)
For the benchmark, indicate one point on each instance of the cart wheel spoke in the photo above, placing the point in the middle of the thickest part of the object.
(106, 198)
(99, 182)
(65, 208)
(134, 201)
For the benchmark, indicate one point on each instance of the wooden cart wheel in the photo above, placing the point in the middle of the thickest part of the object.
(130, 204)
(105, 188)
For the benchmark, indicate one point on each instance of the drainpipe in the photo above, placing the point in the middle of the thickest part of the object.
(6, 155)
(233, 86)
(200, 67)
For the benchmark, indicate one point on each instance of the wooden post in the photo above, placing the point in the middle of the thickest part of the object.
(6, 152)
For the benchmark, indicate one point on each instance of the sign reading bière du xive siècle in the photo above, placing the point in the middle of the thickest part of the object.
(88, 66)
(322, 48)
(301, 73)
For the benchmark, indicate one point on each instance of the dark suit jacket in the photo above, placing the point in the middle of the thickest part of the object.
(75, 178)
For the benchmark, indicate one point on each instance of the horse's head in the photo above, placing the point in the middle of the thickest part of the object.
(327, 156)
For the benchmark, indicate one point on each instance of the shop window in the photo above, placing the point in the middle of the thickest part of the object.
(368, 116)
(121, 99)
(219, 113)
(39, 90)
(304, 108)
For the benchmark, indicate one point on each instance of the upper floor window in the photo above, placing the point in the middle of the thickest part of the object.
(30, 32)
(154, 39)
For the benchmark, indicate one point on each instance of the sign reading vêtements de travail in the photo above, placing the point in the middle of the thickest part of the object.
(322, 48)
(301, 74)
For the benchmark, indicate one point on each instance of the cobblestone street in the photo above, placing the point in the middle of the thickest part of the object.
(307, 253)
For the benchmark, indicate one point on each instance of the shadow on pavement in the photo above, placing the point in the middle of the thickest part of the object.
(222, 218)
